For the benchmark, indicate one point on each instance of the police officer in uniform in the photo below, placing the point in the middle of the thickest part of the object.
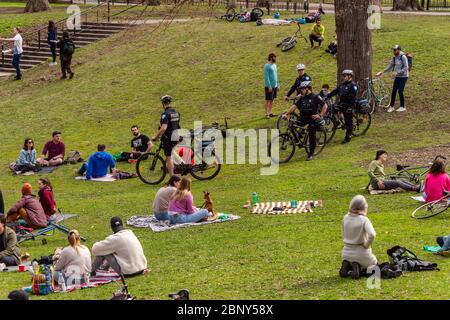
(169, 122)
(312, 110)
(347, 98)
(302, 77)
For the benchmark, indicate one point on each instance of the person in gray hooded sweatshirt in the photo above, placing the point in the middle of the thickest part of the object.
(399, 64)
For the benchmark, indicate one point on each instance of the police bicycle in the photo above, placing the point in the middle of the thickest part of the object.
(296, 136)
(205, 165)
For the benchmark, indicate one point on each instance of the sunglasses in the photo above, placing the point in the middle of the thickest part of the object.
(30, 142)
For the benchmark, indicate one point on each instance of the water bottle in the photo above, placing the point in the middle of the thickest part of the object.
(254, 198)
(62, 283)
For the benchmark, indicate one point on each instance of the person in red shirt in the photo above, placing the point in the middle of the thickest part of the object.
(436, 181)
(46, 197)
(55, 149)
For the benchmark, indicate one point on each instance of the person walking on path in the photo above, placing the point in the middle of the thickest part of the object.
(67, 48)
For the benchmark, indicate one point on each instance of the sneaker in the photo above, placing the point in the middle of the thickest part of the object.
(310, 157)
(355, 273)
(390, 109)
(401, 109)
(71, 75)
(345, 268)
(273, 115)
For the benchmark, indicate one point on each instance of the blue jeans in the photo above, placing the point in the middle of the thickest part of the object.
(177, 218)
(399, 85)
(444, 242)
(83, 168)
(162, 216)
(9, 261)
(16, 64)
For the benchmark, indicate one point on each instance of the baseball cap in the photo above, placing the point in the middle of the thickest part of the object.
(116, 224)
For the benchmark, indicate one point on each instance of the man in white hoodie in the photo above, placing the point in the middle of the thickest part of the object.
(121, 251)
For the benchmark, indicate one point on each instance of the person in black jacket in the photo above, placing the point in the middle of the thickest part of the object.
(67, 48)
(302, 76)
(52, 39)
(347, 98)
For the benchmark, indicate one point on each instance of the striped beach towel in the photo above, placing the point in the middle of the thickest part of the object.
(302, 207)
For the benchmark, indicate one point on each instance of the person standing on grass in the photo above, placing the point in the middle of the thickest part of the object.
(66, 50)
(302, 76)
(271, 84)
(52, 39)
(358, 235)
(17, 51)
(399, 64)
(9, 250)
(317, 33)
(56, 150)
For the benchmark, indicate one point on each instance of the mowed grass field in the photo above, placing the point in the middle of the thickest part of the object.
(213, 69)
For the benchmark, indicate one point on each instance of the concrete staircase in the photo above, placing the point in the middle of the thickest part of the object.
(33, 55)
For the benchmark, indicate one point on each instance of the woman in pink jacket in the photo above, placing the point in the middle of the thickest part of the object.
(436, 181)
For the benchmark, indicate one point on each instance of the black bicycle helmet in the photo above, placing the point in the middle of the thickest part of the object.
(166, 99)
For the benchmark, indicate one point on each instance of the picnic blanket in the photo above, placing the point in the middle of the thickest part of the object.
(432, 249)
(16, 268)
(161, 226)
(43, 170)
(107, 178)
(276, 22)
(373, 191)
(302, 207)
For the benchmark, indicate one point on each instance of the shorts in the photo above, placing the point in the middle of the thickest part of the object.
(168, 146)
(270, 96)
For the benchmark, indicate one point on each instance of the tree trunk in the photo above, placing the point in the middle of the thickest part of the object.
(406, 5)
(37, 6)
(354, 38)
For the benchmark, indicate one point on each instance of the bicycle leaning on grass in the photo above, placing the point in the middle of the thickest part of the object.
(433, 208)
(376, 93)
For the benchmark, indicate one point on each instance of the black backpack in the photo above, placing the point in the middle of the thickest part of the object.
(68, 48)
(406, 260)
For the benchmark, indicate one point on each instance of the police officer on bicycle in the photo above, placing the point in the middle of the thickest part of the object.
(312, 110)
(169, 122)
(302, 77)
(347, 98)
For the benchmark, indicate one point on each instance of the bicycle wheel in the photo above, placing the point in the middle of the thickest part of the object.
(151, 168)
(258, 12)
(331, 127)
(361, 123)
(282, 124)
(371, 98)
(382, 94)
(208, 169)
(286, 46)
(285, 40)
(286, 148)
(231, 13)
(321, 141)
(431, 209)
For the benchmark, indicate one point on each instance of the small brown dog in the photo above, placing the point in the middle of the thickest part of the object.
(209, 205)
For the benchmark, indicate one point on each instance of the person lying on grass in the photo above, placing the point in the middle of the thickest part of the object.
(9, 250)
(181, 205)
(27, 160)
(120, 251)
(53, 152)
(437, 182)
(358, 235)
(162, 197)
(29, 209)
(380, 181)
(46, 198)
(98, 164)
(74, 262)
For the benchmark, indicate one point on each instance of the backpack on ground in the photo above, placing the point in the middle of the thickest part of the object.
(121, 175)
(68, 48)
(406, 260)
(43, 281)
(74, 157)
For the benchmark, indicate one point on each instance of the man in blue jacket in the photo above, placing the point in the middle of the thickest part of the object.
(98, 164)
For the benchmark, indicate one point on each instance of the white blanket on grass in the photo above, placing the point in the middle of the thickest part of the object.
(276, 22)
(161, 226)
(107, 178)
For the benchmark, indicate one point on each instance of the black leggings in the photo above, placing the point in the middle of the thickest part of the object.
(394, 184)
(53, 50)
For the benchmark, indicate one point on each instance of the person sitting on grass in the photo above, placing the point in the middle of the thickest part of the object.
(436, 182)
(378, 179)
(46, 198)
(27, 158)
(98, 164)
(120, 251)
(358, 235)
(162, 197)
(55, 149)
(9, 250)
(181, 205)
(444, 243)
(75, 260)
(29, 209)
(139, 144)
(19, 295)
(317, 33)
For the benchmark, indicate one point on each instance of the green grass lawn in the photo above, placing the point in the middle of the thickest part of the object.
(214, 69)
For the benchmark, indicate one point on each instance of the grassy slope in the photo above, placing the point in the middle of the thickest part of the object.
(213, 69)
